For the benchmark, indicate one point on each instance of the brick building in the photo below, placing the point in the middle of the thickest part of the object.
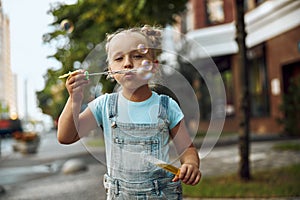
(273, 50)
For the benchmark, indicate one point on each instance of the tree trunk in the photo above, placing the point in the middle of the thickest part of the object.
(244, 143)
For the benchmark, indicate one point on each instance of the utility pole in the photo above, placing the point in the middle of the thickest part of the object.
(244, 143)
(26, 100)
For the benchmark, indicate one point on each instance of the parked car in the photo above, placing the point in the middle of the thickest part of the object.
(9, 126)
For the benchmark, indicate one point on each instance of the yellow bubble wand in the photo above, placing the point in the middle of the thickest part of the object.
(162, 164)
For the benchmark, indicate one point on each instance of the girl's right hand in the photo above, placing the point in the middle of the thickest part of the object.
(75, 85)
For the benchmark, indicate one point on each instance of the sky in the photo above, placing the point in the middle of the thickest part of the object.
(28, 22)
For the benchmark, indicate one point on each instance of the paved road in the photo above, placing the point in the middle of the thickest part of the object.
(38, 176)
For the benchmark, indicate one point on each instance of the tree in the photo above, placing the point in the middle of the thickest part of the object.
(244, 168)
(91, 20)
(4, 110)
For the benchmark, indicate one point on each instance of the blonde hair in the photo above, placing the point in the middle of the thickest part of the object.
(152, 34)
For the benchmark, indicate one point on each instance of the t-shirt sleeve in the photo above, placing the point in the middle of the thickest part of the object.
(175, 114)
(97, 108)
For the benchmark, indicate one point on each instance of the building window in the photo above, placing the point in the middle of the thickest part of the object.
(224, 66)
(228, 83)
(214, 12)
(258, 83)
(251, 4)
(204, 101)
(259, 1)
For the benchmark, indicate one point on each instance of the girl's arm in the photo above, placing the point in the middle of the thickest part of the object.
(72, 124)
(190, 162)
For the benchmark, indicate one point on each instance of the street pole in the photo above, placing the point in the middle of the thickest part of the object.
(244, 143)
(26, 100)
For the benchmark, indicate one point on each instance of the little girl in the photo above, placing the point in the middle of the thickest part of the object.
(138, 123)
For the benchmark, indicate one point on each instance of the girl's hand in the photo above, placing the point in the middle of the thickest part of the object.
(189, 174)
(75, 85)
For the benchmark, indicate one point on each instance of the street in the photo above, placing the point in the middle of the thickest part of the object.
(38, 176)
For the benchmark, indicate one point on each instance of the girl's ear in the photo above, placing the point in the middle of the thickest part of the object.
(155, 66)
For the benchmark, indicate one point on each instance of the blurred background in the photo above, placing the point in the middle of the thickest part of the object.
(40, 40)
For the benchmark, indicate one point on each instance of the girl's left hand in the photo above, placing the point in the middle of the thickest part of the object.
(189, 174)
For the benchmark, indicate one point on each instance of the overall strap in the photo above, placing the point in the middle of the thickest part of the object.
(163, 107)
(113, 105)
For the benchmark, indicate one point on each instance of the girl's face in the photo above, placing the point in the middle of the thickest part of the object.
(124, 54)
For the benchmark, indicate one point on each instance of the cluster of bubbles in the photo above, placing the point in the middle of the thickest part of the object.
(145, 70)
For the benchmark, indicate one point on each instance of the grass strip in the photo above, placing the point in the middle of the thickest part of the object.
(282, 182)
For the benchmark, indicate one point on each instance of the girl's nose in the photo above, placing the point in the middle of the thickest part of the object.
(127, 63)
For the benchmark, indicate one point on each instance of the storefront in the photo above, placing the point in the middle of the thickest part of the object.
(273, 42)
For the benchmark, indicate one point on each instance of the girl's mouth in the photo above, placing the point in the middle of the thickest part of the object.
(129, 74)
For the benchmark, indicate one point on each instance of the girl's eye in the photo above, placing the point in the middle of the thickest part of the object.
(138, 56)
(118, 59)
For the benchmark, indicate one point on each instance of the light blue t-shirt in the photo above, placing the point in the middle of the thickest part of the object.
(134, 112)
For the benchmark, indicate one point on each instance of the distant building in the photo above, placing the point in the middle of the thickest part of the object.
(8, 92)
(273, 42)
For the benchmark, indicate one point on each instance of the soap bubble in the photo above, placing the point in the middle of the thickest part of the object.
(171, 81)
(144, 71)
(142, 49)
(147, 65)
(67, 26)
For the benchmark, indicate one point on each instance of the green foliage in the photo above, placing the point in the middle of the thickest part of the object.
(291, 108)
(92, 19)
(4, 110)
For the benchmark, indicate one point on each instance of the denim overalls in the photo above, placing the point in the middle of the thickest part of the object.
(131, 176)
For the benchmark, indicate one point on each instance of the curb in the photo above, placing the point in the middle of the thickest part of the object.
(234, 139)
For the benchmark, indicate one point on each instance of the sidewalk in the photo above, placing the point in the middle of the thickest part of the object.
(43, 179)
(49, 151)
